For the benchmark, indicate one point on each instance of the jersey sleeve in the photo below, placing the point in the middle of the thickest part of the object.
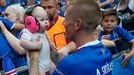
(125, 34)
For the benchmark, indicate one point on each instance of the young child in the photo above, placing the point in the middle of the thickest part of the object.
(34, 38)
(113, 31)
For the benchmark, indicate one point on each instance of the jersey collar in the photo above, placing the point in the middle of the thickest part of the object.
(89, 44)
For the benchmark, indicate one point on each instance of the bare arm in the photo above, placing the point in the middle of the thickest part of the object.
(132, 49)
(108, 43)
(107, 2)
(54, 53)
(128, 56)
(69, 48)
(12, 40)
(29, 45)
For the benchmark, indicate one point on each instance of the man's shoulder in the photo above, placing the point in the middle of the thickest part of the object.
(87, 58)
(86, 54)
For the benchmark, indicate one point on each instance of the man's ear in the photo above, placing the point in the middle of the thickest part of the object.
(18, 16)
(78, 24)
(57, 7)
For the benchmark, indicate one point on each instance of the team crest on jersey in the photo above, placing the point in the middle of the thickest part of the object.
(103, 51)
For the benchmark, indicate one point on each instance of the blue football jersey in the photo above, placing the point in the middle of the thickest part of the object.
(118, 32)
(89, 60)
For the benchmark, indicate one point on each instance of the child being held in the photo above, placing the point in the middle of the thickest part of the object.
(34, 38)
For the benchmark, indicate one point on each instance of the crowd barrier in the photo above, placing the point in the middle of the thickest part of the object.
(19, 70)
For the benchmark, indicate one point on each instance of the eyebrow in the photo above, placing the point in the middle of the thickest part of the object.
(5, 14)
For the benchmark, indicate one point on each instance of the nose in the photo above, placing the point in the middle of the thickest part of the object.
(109, 23)
(47, 24)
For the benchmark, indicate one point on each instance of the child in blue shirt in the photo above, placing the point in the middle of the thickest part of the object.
(113, 31)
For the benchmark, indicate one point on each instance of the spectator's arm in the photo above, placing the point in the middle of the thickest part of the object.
(12, 40)
(30, 45)
(132, 49)
(64, 51)
(131, 53)
(128, 56)
(27, 42)
(107, 2)
(108, 43)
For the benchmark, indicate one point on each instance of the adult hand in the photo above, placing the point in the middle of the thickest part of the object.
(63, 52)
(110, 1)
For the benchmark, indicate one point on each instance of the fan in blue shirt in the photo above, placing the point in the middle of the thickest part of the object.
(92, 57)
(6, 50)
(113, 31)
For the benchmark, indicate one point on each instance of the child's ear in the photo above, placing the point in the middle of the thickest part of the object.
(58, 6)
(118, 20)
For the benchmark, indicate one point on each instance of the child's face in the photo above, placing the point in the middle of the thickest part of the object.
(109, 23)
(41, 16)
(44, 23)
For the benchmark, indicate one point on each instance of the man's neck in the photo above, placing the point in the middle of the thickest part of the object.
(83, 38)
(53, 21)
